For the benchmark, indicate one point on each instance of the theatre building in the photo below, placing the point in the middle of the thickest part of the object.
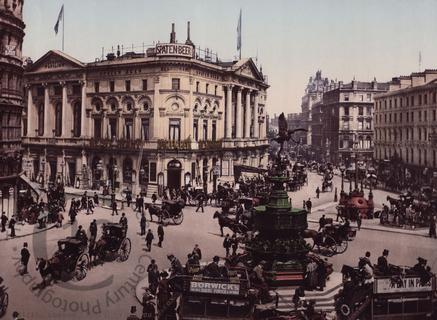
(143, 121)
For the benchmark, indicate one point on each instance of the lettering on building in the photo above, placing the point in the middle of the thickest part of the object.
(215, 288)
(174, 49)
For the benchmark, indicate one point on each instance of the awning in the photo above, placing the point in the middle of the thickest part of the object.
(33, 185)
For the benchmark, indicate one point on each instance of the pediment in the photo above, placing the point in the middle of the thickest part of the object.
(54, 61)
(248, 69)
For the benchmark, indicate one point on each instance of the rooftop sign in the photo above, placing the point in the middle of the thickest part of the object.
(174, 49)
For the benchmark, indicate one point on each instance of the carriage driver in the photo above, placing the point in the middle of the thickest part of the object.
(81, 235)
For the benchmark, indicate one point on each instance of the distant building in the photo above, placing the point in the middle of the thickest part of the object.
(11, 100)
(406, 121)
(144, 121)
(313, 94)
(342, 122)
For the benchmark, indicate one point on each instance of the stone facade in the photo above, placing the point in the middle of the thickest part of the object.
(11, 100)
(342, 123)
(406, 121)
(164, 118)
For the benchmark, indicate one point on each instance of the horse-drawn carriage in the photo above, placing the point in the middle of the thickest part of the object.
(113, 243)
(169, 212)
(327, 181)
(333, 239)
(70, 260)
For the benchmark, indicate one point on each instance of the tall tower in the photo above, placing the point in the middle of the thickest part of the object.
(11, 99)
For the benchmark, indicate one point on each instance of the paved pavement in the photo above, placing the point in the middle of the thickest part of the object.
(108, 291)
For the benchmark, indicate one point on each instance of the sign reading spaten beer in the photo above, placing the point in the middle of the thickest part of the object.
(215, 288)
(174, 49)
(386, 285)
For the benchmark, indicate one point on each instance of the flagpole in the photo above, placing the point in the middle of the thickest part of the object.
(241, 28)
(63, 26)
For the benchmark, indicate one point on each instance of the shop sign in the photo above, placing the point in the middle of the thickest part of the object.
(215, 288)
(387, 285)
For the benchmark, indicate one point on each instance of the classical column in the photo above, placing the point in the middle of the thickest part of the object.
(105, 126)
(83, 126)
(247, 116)
(228, 112)
(156, 105)
(255, 117)
(47, 129)
(65, 133)
(238, 119)
(32, 119)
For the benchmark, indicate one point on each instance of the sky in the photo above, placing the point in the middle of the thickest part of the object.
(292, 39)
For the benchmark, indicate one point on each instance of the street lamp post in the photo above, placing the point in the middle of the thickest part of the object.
(342, 170)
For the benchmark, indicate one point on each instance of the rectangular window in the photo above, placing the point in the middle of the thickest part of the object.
(396, 118)
(76, 89)
(96, 87)
(408, 116)
(420, 99)
(196, 129)
(360, 125)
(346, 111)
(127, 85)
(420, 115)
(215, 90)
(425, 116)
(175, 84)
(58, 90)
(412, 116)
(111, 86)
(412, 101)
(145, 129)
(205, 130)
(225, 167)
(112, 128)
(400, 117)
(214, 131)
(425, 98)
(369, 96)
(207, 88)
(197, 86)
(434, 97)
(152, 174)
(433, 115)
(128, 129)
(98, 128)
(144, 84)
(346, 98)
(360, 111)
(193, 170)
(174, 130)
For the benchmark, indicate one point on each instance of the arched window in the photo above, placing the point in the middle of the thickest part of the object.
(41, 120)
(127, 170)
(58, 120)
(77, 114)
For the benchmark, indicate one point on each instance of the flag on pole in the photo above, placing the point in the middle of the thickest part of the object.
(60, 17)
(239, 34)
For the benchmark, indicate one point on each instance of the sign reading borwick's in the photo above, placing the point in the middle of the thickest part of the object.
(215, 288)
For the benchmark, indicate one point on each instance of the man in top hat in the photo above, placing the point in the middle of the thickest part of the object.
(25, 256)
(213, 269)
(382, 264)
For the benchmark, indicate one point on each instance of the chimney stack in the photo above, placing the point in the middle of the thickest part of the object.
(188, 42)
(172, 34)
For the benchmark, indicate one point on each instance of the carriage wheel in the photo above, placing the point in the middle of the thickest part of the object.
(4, 304)
(178, 218)
(81, 269)
(330, 246)
(124, 250)
(342, 246)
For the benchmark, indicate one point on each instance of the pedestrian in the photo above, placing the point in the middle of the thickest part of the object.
(309, 204)
(4, 221)
(123, 221)
(12, 226)
(137, 203)
(96, 199)
(25, 256)
(153, 276)
(141, 203)
(200, 200)
(149, 239)
(197, 251)
(72, 214)
(304, 205)
(133, 314)
(234, 241)
(93, 229)
(59, 219)
(359, 221)
(114, 207)
(90, 206)
(128, 198)
(84, 201)
(154, 198)
(432, 229)
(322, 222)
(227, 243)
(143, 222)
(318, 192)
(160, 234)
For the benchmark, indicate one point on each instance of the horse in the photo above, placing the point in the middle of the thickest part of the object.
(230, 223)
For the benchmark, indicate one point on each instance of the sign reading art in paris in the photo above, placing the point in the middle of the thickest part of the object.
(215, 288)
(174, 49)
(386, 285)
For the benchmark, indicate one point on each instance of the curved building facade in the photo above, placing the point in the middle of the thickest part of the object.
(11, 99)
